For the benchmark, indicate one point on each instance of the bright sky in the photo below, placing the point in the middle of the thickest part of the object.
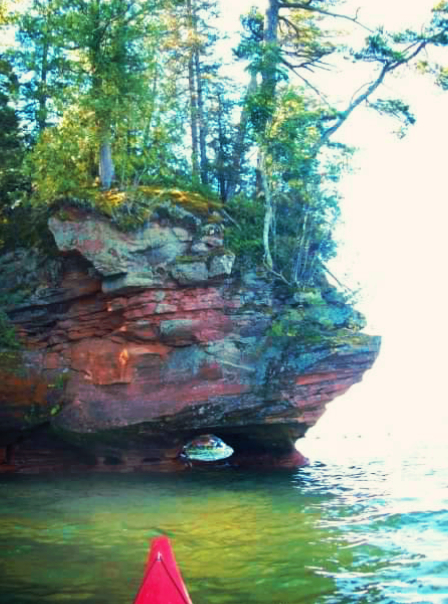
(395, 213)
(394, 235)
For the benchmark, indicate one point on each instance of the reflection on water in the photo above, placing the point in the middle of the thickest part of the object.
(344, 530)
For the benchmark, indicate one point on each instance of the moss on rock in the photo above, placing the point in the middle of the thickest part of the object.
(131, 208)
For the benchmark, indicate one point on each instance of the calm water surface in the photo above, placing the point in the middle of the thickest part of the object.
(363, 523)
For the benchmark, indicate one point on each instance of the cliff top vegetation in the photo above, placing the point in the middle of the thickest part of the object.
(112, 105)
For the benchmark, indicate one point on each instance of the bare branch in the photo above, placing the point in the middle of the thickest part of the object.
(335, 278)
(316, 90)
(308, 62)
(227, 215)
(321, 11)
(276, 274)
(290, 23)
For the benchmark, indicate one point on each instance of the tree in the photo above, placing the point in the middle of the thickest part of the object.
(90, 53)
(195, 42)
(107, 37)
(266, 48)
(386, 51)
(19, 224)
(42, 63)
(224, 175)
(11, 141)
(282, 44)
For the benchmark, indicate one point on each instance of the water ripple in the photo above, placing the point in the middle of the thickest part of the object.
(364, 531)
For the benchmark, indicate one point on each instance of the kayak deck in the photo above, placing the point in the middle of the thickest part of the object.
(162, 583)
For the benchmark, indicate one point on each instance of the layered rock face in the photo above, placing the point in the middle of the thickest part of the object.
(138, 342)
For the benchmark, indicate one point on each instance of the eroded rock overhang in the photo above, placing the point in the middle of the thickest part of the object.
(137, 342)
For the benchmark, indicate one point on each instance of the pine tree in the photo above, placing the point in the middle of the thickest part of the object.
(42, 63)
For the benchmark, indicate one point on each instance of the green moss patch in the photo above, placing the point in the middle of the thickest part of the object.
(131, 208)
(8, 336)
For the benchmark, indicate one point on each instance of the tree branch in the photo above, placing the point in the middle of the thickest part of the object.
(321, 11)
(335, 278)
(387, 68)
(313, 88)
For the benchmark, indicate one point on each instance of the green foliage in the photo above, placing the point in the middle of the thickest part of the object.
(11, 143)
(251, 38)
(305, 36)
(58, 384)
(94, 84)
(277, 329)
(243, 236)
(10, 136)
(442, 78)
(261, 106)
(35, 414)
(8, 337)
(439, 25)
(305, 205)
(42, 65)
(25, 225)
(3, 12)
(73, 143)
(17, 225)
(302, 235)
(295, 324)
(135, 207)
(293, 133)
(397, 109)
(380, 48)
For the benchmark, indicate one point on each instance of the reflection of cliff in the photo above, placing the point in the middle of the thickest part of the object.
(138, 342)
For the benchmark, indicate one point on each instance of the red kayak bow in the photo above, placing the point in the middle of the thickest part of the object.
(162, 583)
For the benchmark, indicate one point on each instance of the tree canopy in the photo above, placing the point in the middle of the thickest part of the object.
(103, 96)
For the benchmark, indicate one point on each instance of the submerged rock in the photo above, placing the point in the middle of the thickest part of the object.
(137, 343)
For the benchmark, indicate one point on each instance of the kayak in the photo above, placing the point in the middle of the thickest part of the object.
(162, 583)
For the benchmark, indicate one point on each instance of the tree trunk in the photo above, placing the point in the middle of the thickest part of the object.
(270, 41)
(268, 86)
(269, 81)
(106, 167)
(201, 117)
(271, 22)
(193, 100)
(298, 265)
(42, 112)
(106, 170)
(268, 215)
(239, 145)
(220, 154)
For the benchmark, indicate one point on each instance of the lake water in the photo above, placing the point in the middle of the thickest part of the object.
(367, 521)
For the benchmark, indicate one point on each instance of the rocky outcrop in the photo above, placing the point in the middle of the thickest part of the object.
(137, 342)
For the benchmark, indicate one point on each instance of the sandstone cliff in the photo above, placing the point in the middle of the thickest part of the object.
(135, 342)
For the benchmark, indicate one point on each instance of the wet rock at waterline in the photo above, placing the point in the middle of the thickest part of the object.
(136, 343)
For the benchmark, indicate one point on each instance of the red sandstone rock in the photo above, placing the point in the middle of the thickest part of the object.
(131, 373)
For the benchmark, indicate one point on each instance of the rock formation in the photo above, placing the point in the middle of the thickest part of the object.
(136, 342)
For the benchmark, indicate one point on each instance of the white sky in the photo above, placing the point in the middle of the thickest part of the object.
(395, 214)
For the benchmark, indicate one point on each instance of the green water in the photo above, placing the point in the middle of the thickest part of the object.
(329, 533)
